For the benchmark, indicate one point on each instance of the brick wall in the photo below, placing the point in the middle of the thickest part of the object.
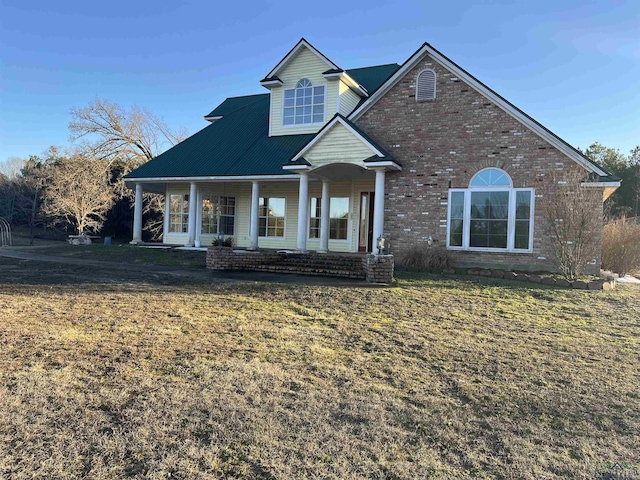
(373, 268)
(441, 144)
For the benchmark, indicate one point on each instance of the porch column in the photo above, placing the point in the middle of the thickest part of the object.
(303, 212)
(137, 216)
(325, 218)
(378, 208)
(196, 241)
(193, 199)
(255, 207)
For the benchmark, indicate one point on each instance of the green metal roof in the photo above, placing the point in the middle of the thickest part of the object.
(372, 78)
(237, 144)
(234, 103)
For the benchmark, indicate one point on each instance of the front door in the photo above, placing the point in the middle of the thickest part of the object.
(365, 231)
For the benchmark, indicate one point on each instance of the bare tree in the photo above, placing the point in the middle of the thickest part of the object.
(573, 215)
(78, 191)
(126, 139)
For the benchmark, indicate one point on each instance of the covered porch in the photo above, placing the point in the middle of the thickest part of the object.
(332, 208)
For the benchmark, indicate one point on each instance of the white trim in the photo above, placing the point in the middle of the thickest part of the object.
(239, 178)
(600, 184)
(294, 51)
(305, 125)
(385, 163)
(167, 205)
(511, 220)
(328, 127)
(348, 81)
(491, 186)
(270, 113)
(271, 83)
(476, 85)
(297, 168)
(213, 119)
(349, 220)
(266, 227)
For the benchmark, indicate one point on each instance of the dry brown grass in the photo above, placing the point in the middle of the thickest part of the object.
(435, 378)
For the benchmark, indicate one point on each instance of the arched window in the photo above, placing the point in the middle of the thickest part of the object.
(426, 85)
(304, 104)
(490, 215)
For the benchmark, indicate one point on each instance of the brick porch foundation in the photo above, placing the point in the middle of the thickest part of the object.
(369, 267)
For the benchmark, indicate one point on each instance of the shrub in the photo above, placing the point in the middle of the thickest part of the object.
(220, 242)
(621, 246)
(426, 256)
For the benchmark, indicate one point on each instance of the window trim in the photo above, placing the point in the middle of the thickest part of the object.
(339, 240)
(266, 230)
(303, 125)
(186, 198)
(435, 85)
(511, 219)
(235, 214)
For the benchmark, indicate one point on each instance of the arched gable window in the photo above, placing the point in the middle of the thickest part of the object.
(490, 215)
(304, 104)
(426, 85)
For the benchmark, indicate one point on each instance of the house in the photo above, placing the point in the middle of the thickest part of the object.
(333, 159)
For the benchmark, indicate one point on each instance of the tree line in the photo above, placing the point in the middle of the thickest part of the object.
(81, 187)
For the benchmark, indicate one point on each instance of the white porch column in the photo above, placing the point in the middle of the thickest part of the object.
(137, 216)
(167, 210)
(325, 218)
(196, 240)
(303, 212)
(255, 208)
(378, 209)
(193, 199)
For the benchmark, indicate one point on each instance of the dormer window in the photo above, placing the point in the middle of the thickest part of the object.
(304, 104)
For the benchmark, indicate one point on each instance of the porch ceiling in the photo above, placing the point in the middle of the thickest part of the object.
(337, 172)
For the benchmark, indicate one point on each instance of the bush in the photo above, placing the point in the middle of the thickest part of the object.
(219, 242)
(621, 246)
(426, 256)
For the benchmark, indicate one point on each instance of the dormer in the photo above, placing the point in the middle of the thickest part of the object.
(307, 90)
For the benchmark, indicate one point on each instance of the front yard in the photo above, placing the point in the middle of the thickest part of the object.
(433, 378)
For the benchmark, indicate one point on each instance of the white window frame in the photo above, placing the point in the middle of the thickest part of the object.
(235, 214)
(511, 219)
(266, 229)
(435, 84)
(302, 125)
(344, 240)
(184, 216)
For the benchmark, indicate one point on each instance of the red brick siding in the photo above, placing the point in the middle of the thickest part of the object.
(441, 144)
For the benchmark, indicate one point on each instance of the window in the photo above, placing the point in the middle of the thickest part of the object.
(303, 104)
(271, 217)
(426, 85)
(218, 214)
(490, 214)
(178, 213)
(338, 218)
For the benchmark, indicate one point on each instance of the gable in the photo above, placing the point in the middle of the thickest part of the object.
(338, 145)
(427, 51)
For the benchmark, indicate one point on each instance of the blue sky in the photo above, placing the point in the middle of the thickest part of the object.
(572, 65)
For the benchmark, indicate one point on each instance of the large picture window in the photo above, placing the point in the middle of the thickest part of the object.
(178, 213)
(218, 215)
(304, 104)
(271, 217)
(490, 214)
(338, 218)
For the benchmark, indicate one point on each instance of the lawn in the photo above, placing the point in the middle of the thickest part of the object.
(432, 378)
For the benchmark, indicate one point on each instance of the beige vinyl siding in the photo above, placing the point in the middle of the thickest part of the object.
(348, 99)
(338, 145)
(305, 65)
